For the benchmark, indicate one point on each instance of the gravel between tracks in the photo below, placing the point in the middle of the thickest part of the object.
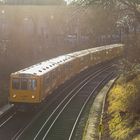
(5, 108)
(93, 127)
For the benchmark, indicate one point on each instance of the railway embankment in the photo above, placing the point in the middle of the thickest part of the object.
(120, 118)
(94, 127)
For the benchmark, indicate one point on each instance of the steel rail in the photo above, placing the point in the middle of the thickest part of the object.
(9, 118)
(87, 100)
(22, 130)
(87, 80)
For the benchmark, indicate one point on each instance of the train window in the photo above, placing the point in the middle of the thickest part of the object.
(16, 83)
(32, 84)
(24, 84)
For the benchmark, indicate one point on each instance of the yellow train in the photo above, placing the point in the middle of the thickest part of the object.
(30, 86)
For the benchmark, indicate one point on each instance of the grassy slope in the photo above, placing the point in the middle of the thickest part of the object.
(124, 108)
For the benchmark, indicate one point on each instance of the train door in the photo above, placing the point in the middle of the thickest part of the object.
(71, 67)
(46, 85)
(57, 76)
(54, 78)
(91, 59)
(66, 71)
(87, 60)
(95, 57)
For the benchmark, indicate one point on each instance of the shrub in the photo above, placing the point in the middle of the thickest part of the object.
(124, 107)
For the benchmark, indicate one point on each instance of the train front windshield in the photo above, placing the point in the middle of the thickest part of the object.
(24, 84)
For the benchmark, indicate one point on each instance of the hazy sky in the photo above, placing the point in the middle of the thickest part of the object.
(68, 1)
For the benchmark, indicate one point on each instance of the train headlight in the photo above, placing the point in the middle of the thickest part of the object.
(33, 96)
(14, 96)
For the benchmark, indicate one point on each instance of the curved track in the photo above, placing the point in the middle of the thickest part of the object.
(60, 122)
(48, 121)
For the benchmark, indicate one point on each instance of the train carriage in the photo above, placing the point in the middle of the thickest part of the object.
(32, 85)
(24, 82)
(76, 61)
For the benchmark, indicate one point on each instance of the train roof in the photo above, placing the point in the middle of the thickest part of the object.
(105, 47)
(45, 66)
(48, 65)
(79, 53)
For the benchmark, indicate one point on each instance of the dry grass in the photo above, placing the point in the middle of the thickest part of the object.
(124, 109)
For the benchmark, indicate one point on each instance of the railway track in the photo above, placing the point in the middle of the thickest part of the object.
(61, 123)
(57, 110)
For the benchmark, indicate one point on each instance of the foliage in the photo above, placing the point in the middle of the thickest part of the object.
(118, 16)
(128, 8)
(128, 70)
(30, 35)
(100, 23)
(53, 2)
(34, 2)
(124, 108)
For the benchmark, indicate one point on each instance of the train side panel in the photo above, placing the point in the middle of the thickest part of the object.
(47, 76)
